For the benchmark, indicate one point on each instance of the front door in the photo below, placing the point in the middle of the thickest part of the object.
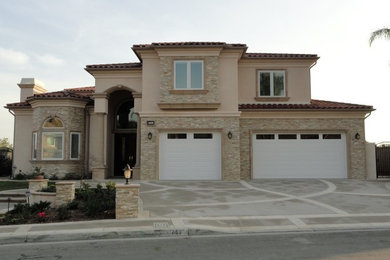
(125, 152)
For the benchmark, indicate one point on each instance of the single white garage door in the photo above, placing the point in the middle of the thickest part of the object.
(299, 155)
(190, 156)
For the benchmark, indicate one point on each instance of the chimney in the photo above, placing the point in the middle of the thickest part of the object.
(29, 87)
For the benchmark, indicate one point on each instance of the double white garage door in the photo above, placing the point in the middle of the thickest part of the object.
(197, 156)
(299, 155)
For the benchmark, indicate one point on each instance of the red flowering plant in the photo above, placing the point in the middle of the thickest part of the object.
(42, 216)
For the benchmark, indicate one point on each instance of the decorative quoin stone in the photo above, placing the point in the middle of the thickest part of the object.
(37, 185)
(64, 193)
(127, 201)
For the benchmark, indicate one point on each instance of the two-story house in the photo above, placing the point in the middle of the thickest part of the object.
(191, 111)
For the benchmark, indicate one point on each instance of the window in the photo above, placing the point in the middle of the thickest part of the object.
(309, 136)
(189, 74)
(272, 83)
(177, 136)
(265, 137)
(52, 146)
(34, 146)
(331, 136)
(53, 122)
(74, 146)
(203, 136)
(287, 136)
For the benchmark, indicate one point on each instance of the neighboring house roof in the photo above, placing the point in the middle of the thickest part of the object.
(283, 56)
(314, 105)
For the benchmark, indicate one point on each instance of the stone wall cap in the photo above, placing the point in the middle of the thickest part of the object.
(127, 185)
(65, 183)
(38, 180)
(45, 193)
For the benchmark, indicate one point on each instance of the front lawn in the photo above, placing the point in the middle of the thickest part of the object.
(13, 185)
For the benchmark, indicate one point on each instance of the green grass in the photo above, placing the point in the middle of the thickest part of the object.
(13, 185)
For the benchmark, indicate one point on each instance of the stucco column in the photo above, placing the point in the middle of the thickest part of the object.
(98, 140)
(137, 108)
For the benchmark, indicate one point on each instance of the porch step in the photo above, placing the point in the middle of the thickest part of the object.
(13, 197)
(13, 200)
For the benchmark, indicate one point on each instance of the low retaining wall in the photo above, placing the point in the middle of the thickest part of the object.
(65, 192)
(36, 197)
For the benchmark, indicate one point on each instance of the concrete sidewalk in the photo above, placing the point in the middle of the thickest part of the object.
(199, 208)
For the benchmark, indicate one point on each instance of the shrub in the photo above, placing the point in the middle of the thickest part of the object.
(63, 212)
(49, 188)
(5, 166)
(54, 177)
(37, 172)
(21, 176)
(40, 206)
(96, 201)
(72, 176)
(74, 204)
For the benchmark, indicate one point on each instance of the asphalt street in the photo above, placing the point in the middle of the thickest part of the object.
(294, 245)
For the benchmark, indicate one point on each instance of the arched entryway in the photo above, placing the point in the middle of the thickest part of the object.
(124, 122)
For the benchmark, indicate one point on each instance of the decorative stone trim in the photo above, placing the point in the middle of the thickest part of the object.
(271, 99)
(36, 185)
(188, 106)
(65, 192)
(127, 201)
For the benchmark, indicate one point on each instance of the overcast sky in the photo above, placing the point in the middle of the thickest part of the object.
(54, 40)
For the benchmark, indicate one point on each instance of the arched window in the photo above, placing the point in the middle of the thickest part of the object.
(126, 117)
(53, 122)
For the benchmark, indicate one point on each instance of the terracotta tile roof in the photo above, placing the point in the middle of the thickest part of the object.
(188, 44)
(82, 89)
(279, 56)
(18, 105)
(115, 66)
(314, 105)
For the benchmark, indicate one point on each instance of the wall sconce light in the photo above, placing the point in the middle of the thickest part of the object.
(230, 135)
(357, 136)
(150, 135)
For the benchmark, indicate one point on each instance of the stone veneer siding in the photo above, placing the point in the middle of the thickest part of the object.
(210, 81)
(230, 147)
(127, 201)
(65, 193)
(355, 148)
(74, 120)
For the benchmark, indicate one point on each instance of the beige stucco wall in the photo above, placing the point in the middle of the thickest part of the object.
(371, 161)
(321, 122)
(22, 141)
(297, 80)
(230, 147)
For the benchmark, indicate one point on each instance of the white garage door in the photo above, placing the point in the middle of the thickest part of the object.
(299, 155)
(190, 156)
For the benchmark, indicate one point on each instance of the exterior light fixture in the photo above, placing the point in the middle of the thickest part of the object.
(150, 135)
(127, 173)
(230, 135)
(357, 136)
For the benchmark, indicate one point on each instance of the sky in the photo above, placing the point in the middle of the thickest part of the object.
(54, 40)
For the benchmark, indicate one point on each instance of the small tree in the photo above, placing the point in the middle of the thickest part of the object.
(5, 143)
(381, 33)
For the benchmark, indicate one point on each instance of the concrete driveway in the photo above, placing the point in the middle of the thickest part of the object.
(282, 202)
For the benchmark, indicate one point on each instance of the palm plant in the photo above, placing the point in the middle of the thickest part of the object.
(381, 33)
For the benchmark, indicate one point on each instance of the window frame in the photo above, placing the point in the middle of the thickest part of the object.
(70, 146)
(53, 127)
(272, 94)
(188, 85)
(34, 152)
(62, 150)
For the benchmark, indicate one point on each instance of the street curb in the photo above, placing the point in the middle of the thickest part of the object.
(146, 232)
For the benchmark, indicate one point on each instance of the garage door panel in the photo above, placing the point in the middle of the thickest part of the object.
(190, 158)
(308, 158)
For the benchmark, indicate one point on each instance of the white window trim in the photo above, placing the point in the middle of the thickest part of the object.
(271, 82)
(52, 159)
(70, 146)
(188, 74)
(34, 146)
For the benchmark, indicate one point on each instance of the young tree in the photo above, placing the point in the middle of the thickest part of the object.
(381, 33)
(5, 143)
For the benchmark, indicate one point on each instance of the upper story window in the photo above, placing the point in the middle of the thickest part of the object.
(126, 118)
(272, 83)
(188, 74)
